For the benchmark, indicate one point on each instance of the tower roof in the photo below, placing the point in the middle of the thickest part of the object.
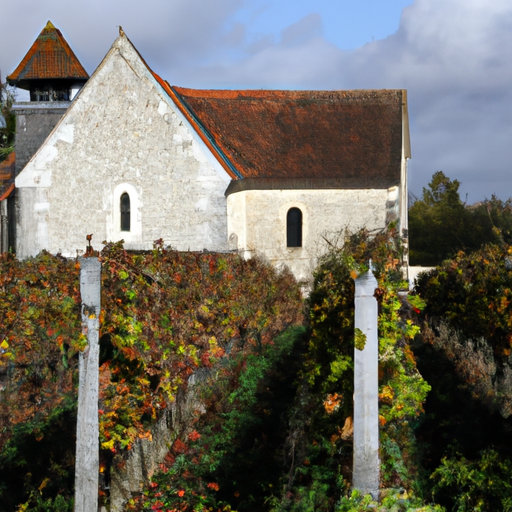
(49, 58)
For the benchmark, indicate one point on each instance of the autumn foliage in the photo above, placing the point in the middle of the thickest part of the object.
(164, 316)
(270, 406)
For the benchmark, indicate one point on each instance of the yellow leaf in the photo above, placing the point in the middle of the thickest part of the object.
(4, 345)
(44, 483)
(108, 445)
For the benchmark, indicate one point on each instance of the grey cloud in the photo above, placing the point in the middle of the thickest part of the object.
(165, 32)
(453, 56)
(307, 28)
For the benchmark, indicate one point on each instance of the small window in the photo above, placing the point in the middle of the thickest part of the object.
(125, 212)
(294, 228)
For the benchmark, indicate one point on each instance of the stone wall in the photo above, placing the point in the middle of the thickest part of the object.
(131, 471)
(34, 122)
(122, 133)
(257, 218)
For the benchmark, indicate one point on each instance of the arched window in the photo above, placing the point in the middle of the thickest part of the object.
(125, 212)
(294, 228)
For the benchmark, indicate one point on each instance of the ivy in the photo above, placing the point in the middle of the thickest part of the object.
(319, 444)
(271, 429)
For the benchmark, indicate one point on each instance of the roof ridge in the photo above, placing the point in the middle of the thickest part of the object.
(355, 134)
(203, 131)
(277, 94)
(189, 114)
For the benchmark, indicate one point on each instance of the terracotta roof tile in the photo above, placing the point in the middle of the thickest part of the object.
(354, 135)
(336, 138)
(50, 57)
(7, 167)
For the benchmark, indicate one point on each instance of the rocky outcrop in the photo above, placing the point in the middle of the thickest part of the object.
(131, 471)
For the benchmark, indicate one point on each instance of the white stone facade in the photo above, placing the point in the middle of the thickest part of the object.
(257, 219)
(122, 133)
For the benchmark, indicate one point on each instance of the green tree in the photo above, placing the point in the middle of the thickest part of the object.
(437, 222)
(441, 224)
(492, 221)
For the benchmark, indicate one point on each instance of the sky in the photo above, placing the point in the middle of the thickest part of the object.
(454, 57)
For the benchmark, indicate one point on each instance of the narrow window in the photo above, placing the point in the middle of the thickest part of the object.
(294, 228)
(125, 212)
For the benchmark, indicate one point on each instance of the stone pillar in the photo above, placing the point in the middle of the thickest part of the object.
(87, 430)
(366, 389)
(4, 227)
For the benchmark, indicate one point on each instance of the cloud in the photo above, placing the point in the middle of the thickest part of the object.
(304, 30)
(300, 58)
(453, 57)
(166, 32)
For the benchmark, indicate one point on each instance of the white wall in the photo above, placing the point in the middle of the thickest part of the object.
(121, 133)
(258, 218)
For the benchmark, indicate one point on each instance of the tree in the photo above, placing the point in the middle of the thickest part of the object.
(466, 357)
(280, 439)
(437, 222)
(7, 133)
(441, 225)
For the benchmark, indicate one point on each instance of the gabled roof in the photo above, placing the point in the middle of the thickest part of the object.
(350, 135)
(7, 176)
(322, 139)
(50, 57)
(349, 138)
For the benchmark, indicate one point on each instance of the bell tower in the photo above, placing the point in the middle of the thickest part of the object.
(53, 75)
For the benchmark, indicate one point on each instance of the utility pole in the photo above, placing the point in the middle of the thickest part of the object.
(366, 468)
(87, 430)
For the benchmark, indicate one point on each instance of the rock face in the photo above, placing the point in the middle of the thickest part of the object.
(131, 471)
(488, 379)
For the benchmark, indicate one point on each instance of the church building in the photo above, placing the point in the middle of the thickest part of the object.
(262, 172)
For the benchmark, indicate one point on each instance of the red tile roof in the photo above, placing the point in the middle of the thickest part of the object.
(314, 139)
(351, 135)
(50, 57)
(7, 167)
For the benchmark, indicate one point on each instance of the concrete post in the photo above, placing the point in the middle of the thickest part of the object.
(87, 431)
(366, 389)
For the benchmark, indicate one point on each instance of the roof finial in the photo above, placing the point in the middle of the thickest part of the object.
(121, 31)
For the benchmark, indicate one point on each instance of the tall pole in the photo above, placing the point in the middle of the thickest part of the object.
(366, 468)
(87, 432)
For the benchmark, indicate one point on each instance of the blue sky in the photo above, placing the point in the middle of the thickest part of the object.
(453, 56)
(346, 23)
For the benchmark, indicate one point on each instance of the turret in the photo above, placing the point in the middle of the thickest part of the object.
(53, 75)
(50, 70)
